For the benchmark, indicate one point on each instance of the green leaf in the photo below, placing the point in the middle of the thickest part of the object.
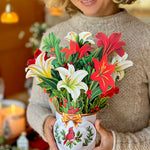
(98, 53)
(62, 133)
(71, 146)
(78, 133)
(43, 85)
(51, 95)
(85, 144)
(94, 85)
(80, 136)
(67, 143)
(73, 104)
(56, 104)
(77, 38)
(51, 82)
(86, 140)
(78, 140)
(97, 91)
(74, 143)
(70, 58)
(65, 109)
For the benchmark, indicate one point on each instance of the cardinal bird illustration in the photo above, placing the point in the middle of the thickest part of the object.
(70, 135)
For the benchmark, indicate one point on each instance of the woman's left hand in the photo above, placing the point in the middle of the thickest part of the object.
(106, 137)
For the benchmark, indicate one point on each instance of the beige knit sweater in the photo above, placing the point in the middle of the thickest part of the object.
(128, 113)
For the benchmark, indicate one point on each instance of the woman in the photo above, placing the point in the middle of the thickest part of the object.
(127, 117)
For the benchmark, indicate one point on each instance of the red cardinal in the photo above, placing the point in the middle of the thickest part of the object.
(70, 135)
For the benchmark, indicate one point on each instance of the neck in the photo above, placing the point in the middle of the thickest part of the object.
(107, 11)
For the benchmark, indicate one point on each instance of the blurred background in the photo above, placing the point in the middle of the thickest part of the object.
(22, 25)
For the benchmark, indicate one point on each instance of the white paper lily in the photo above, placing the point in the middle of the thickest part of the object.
(82, 35)
(71, 80)
(41, 67)
(121, 64)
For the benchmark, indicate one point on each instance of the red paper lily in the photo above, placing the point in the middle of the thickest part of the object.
(37, 53)
(74, 48)
(103, 73)
(110, 44)
(30, 62)
(111, 92)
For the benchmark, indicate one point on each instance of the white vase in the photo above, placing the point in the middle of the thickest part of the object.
(73, 132)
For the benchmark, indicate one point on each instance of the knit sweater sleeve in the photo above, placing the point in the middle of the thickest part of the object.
(39, 107)
(138, 140)
(132, 141)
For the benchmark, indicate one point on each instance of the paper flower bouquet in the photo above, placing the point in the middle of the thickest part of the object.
(79, 81)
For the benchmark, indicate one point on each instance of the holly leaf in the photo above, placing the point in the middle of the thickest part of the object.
(71, 146)
(78, 140)
(78, 133)
(74, 143)
(67, 143)
(80, 136)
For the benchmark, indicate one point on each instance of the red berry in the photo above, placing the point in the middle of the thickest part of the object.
(30, 62)
(37, 53)
(89, 96)
(65, 105)
(73, 111)
(71, 63)
(90, 64)
(69, 112)
(92, 110)
(91, 92)
(77, 109)
(71, 107)
(60, 104)
(65, 101)
(65, 65)
(88, 92)
(97, 109)
(96, 106)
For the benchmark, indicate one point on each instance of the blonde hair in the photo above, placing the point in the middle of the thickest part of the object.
(71, 9)
(124, 1)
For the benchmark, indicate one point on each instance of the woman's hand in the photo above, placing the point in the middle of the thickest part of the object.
(106, 137)
(48, 131)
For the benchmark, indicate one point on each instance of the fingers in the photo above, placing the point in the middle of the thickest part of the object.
(96, 148)
(50, 139)
(99, 128)
(48, 130)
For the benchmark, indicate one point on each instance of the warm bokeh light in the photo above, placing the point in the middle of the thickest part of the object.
(13, 109)
(10, 17)
(55, 11)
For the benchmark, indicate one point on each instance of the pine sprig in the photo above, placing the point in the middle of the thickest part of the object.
(57, 137)
(51, 46)
(89, 136)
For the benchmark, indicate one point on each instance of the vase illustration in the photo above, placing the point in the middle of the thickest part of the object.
(75, 131)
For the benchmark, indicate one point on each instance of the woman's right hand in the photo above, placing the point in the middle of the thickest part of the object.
(48, 131)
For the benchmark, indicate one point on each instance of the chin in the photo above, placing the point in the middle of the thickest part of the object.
(91, 13)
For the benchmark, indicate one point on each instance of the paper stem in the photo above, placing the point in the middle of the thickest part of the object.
(68, 98)
(86, 105)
